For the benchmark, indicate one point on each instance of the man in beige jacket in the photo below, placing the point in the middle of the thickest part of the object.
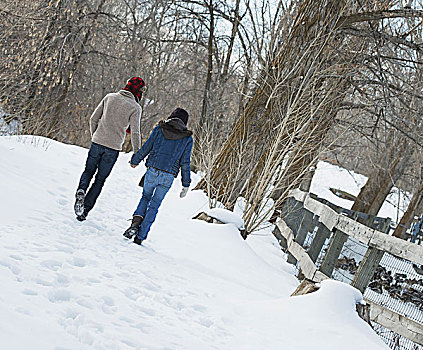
(108, 125)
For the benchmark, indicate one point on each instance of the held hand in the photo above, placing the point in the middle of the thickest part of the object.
(132, 165)
(184, 192)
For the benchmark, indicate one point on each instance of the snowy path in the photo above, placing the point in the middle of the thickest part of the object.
(71, 285)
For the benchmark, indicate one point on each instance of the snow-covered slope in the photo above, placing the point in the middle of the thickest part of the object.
(193, 285)
(328, 175)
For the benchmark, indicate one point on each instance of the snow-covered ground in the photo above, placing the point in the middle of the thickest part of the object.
(328, 175)
(71, 285)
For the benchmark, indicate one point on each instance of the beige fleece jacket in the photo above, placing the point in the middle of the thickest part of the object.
(111, 118)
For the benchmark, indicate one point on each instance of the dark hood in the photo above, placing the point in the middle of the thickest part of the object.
(174, 129)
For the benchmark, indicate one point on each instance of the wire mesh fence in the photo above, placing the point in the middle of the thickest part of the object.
(397, 286)
(309, 237)
(323, 251)
(351, 255)
(394, 340)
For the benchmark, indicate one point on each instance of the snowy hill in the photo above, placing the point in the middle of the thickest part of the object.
(193, 285)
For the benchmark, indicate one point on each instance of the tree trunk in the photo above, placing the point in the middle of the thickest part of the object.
(414, 207)
(204, 111)
(380, 182)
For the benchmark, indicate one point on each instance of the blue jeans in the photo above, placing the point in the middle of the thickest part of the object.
(100, 159)
(156, 184)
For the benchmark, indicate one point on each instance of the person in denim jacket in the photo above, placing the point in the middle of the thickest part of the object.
(168, 149)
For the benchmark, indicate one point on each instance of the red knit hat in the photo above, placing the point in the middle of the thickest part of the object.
(137, 86)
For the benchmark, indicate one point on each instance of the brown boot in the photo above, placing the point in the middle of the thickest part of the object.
(135, 226)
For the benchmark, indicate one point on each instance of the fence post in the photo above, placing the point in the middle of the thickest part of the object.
(319, 239)
(281, 239)
(332, 254)
(307, 224)
(286, 208)
(293, 213)
(369, 263)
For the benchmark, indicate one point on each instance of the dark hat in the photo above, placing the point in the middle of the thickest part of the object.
(137, 86)
(181, 114)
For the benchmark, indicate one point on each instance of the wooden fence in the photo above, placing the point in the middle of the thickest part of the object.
(332, 226)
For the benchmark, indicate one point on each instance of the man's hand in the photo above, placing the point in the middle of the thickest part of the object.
(132, 165)
(184, 192)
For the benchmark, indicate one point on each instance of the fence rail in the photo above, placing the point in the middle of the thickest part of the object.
(329, 227)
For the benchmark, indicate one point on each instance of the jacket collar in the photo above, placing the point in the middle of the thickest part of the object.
(127, 94)
(174, 129)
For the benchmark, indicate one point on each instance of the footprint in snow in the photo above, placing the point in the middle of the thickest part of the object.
(64, 247)
(152, 288)
(78, 262)
(126, 319)
(73, 314)
(199, 308)
(92, 280)
(107, 275)
(108, 301)
(147, 311)
(123, 274)
(29, 292)
(84, 302)
(108, 305)
(16, 257)
(129, 343)
(59, 295)
(13, 268)
(85, 337)
(62, 202)
(43, 283)
(206, 322)
(62, 280)
(53, 265)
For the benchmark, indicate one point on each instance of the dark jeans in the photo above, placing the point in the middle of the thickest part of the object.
(157, 183)
(100, 159)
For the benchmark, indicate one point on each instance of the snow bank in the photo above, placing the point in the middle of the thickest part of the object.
(325, 319)
(72, 285)
(226, 216)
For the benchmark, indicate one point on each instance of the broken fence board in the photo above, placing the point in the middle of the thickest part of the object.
(327, 216)
(396, 322)
(306, 264)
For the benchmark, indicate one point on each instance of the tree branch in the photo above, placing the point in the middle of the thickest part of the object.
(378, 15)
(378, 35)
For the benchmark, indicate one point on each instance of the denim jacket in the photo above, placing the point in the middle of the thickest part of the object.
(166, 154)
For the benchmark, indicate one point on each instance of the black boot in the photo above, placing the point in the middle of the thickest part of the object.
(137, 240)
(79, 203)
(135, 226)
(83, 216)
